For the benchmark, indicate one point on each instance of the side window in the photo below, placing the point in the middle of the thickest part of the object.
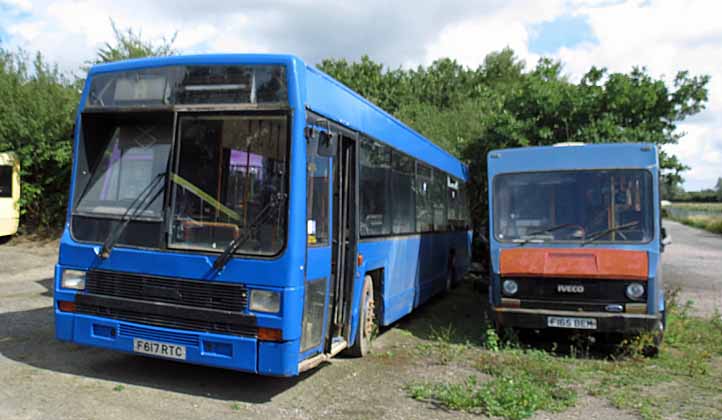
(317, 205)
(6, 181)
(438, 199)
(424, 210)
(454, 203)
(465, 206)
(375, 168)
(402, 191)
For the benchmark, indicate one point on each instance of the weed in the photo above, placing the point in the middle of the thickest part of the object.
(491, 339)
(443, 334)
(682, 381)
(235, 406)
(119, 388)
(509, 397)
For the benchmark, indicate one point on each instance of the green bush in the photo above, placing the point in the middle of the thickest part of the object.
(36, 121)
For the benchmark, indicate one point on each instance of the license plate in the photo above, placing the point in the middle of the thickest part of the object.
(570, 322)
(172, 351)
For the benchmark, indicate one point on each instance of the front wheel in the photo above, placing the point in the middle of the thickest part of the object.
(652, 350)
(367, 321)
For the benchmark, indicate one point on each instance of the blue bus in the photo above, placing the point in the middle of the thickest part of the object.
(249, 212)
(576, 238)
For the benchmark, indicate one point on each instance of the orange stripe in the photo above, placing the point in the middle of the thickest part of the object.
(581, 263)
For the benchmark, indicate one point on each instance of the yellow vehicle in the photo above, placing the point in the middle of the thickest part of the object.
(9, 194)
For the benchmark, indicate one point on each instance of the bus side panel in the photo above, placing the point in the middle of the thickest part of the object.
(415, 268)
(399, 258)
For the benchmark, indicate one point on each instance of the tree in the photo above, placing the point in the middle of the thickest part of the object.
(718, 188)
(36, 120)
(130, 44)
(500, 104)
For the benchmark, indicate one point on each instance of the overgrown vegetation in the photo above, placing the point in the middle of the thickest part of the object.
(514, 382)
(501, 104)
(707, 216)
(36, 120)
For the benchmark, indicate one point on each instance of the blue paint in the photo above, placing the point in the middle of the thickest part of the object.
(562, 32)
(405, 285)
(582, 157)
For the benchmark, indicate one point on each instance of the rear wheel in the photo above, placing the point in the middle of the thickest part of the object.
(367, 321)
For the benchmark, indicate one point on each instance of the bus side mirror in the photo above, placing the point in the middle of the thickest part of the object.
(326, 141)
(326, 144)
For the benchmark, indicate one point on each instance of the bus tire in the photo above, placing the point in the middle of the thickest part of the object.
(652, 350)
(367, 326)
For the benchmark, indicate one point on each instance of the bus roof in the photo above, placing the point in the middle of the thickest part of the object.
(7, 158)
(573, 157)
(331, 98)
(323, 95)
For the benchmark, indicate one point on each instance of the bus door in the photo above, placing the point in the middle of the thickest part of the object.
(332, 236)
(345, 241)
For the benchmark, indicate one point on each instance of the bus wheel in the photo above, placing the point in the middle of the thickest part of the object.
(652, 350)
(367, 321)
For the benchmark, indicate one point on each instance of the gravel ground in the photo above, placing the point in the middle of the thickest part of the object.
(693, 262)
(43, 378)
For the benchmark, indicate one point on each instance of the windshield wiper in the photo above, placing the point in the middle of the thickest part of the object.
(236, 243)
(528, 237)
(142, 204)
(550, 229)
(593, 237)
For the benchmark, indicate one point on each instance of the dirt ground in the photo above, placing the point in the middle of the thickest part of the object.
(42, 378)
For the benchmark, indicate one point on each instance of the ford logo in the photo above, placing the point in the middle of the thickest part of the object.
(570, 288)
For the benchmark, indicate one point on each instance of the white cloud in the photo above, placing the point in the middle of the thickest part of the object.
(665, 36)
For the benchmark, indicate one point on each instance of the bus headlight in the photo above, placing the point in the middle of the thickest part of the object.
(73, 279)
(510, 287)
(635, 291)
(265, 301)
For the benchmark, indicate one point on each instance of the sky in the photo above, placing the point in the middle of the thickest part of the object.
(664, 36)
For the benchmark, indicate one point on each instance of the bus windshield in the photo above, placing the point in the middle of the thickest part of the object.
(123, 153)
(230, 169)
(227, 169)
(599, 205)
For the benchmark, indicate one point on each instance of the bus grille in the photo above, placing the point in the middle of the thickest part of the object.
(596, 291)
(198, 294)
(167, 321)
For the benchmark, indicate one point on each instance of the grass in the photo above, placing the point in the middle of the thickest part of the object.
(710, 220)
(683, 381)
(711, 207)
(709, 223)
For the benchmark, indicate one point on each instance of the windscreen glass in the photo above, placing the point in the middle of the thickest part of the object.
(120, 157)
(230, 181)
(6, 181)
(603, 205)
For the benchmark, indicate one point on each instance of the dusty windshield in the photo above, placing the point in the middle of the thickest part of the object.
(122, 155)
(230, 180)
(603, 205)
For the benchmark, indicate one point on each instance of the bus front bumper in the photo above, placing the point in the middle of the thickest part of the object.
(247, 354)
(539, 319)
